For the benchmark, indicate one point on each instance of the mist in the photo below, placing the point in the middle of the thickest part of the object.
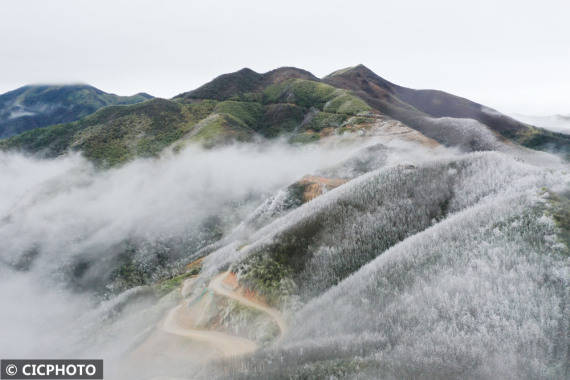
(555, 123)
(84, 249)
(58, 216)
(477, 294)
(261, 208)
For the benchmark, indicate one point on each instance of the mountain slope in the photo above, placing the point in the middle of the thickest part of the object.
(290, 102)
(282, 103)
(116, 134)
(309, 248)
(391, 260)
(235, 85)
(429, 111)
(37, 106)
(451, 251)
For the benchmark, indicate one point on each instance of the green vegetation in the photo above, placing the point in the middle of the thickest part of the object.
(301, 92)
(117, 134)
(48, 141)
(343, 71)
(280, 119)
(255, 97)
(127, 273)
(198, 110)
(306, 93)
(269, 276)
(247, 114)
(542, 139)
(322, 120)
(560, 211)
(232, 107)
(218, 129)
(226, 86)
(344, 103)
(235, 106)
(32, 107)
(166, 286)
(142, 131)
(304, 138)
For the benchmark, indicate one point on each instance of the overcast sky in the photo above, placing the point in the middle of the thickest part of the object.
(510, 55)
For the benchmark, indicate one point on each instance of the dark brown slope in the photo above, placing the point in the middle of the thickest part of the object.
(442, 116)
(431, 102)
(383, 95)
(441, 104)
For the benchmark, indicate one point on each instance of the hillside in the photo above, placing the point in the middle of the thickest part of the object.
(244, 81)
(436, 113)
(282, 103)
(36, 106)
(290, 261)
(324, 235)
(414, 251)
(246, 105)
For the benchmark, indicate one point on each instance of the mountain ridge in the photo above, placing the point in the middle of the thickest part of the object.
(287, 101)
(388, 97)
(352, 257)
(40, 105)
(244, 80)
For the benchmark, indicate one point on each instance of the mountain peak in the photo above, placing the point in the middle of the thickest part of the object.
(245, 80)
(226, 85)
(351, 70)
(246, 71)
(284, 73)
(355, 77)
(144, 95)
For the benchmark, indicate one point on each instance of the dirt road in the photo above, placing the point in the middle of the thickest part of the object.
(227, 345)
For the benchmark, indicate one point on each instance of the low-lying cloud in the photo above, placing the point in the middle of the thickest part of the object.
(55, 212)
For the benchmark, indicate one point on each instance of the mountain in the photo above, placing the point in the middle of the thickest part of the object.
(245, 105)
(244, 81)
(435, 113)
(31, 107)
(402, 253)
(399, 260)
(289, 227)
(249, 105)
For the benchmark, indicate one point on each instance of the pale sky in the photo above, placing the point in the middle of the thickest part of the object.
(510, 55)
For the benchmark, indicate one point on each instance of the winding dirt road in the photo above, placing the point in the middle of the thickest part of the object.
(227, 345)
(217, 286)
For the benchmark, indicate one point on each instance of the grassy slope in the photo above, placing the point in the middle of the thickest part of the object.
(239, 105)
(117, 134)
(32, 107)
(542, 139)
